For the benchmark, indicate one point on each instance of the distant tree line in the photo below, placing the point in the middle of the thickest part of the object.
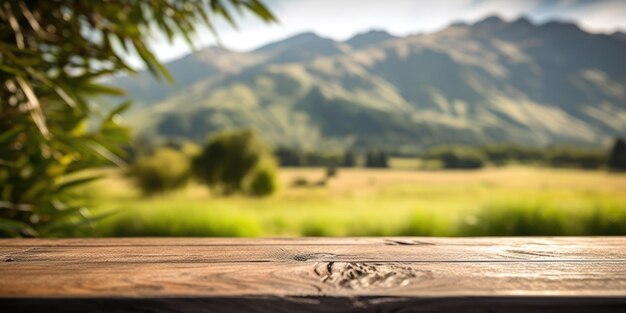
(556, 156)
(464, 157)
(293, 157)
(238, 162)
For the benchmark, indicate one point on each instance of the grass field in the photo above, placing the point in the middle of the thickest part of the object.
(360, 202)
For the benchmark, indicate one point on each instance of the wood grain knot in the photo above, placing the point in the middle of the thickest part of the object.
(406, 242)
(314, 256)
(367, 275)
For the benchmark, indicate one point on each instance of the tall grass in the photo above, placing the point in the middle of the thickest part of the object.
(544, 219)
(512, 219)
(503, 202)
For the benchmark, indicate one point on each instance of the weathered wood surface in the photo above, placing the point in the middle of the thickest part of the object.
(314, 275)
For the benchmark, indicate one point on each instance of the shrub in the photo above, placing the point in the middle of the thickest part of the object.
(457, 157)
(165, 170)
(300, 182)
(349, 159)
(377, 160)
(331, 171)
(230, 159)
(263, 182)
(321, 183)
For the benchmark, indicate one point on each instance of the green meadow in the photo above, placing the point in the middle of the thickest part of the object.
(494, 201)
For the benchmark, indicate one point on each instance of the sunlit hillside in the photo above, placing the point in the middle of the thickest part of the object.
(491, 81)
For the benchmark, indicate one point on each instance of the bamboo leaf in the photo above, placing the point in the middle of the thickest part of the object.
(77, 182)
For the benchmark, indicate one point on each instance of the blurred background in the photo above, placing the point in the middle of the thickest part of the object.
(313, 118)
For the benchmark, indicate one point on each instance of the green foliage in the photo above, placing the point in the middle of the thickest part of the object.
(421, 223)
(38, 175)
(289, 157)
(544, 219)
(501, 201)
(263, 182)
(165, 170)
(52, 54)
(458, 157)
(316, 228)
(300, 182)
(299, 158)
(157, 220)
(557, 156)
(377, 160)
(331, 171)
(191, 150)
(248, 217)
(500, 154)
(607, 220)
(229, 159)
(575, 157)
(617, 156)
(517, 220)
(349, 159)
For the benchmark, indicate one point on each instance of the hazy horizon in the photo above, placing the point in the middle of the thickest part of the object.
(339, 20)
(292, 35)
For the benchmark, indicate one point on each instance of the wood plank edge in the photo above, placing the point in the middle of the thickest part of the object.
(320, 304)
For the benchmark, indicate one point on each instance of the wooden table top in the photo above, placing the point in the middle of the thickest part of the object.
(407, 274)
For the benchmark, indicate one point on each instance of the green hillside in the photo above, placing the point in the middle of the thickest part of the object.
(493, 81)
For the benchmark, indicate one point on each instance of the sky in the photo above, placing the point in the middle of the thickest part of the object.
(341, 19)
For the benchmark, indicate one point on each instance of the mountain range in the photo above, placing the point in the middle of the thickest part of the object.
(468, 84)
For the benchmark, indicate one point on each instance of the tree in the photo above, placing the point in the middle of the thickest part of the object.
(165, 170)
(377, 160)
(229, 160)
(617, 157)
(458, 157)
(289, 156)
(575, 157)
(349, 160)
(52, 53)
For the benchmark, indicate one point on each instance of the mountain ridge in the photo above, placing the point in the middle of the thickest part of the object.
(491, 81)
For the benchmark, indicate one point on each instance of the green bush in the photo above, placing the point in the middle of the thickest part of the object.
(165, 170)
(458, 157)
(331, 171)
(300, 182)
(377, 160)
(230, 159)
(349, 159)
(264, 182)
